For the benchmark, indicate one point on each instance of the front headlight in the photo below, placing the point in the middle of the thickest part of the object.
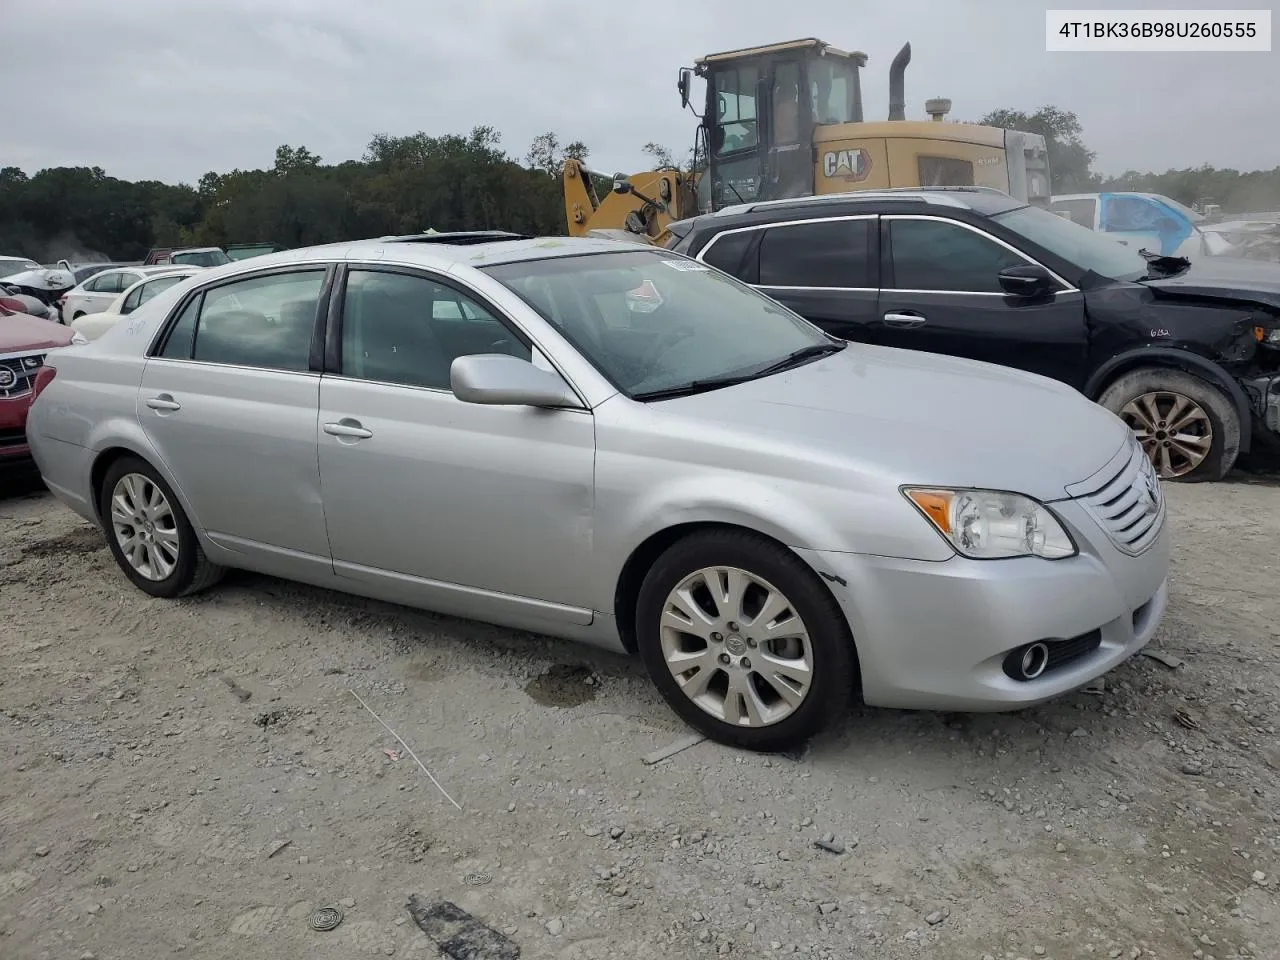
(78, 338)
(991, 525)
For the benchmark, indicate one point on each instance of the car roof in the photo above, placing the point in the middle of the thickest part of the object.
(984, 201)
(442, 251)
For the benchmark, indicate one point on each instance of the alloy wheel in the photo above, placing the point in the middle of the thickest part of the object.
(1174, 431)
(144, 525)
(736, 646)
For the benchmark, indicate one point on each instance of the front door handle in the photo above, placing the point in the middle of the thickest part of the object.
(904, 319)
(347, 427)
(163, 402)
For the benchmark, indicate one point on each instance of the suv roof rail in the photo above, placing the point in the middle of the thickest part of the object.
(459, 237)
(915, 194)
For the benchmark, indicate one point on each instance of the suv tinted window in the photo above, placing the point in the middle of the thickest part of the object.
(259, 322)
(399, 328)
(829, 253)
(727, 251)
(937, 255)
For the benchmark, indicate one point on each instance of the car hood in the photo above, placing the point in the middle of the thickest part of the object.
(1224, 278)
(921, 418)
(21, 331)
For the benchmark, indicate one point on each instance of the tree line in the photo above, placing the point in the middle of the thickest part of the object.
(413, 183)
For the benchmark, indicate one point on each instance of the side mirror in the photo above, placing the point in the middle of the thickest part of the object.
(1029, 280)
(686, 76)
(503, 380)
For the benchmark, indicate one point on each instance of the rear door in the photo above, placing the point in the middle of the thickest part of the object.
(826, 270)
(230, 401)
(941, 293)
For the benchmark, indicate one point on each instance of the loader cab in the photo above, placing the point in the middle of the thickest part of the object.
(762, 105)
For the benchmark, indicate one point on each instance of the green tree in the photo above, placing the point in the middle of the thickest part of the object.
(1070, 161)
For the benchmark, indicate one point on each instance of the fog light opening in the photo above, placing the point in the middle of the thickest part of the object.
(1033, 661)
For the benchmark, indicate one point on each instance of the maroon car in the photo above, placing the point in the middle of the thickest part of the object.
(24, 341)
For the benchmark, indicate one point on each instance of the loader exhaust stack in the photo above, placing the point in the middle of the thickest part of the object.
(897, 85)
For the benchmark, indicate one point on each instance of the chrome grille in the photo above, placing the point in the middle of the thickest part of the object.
(17, 374)
(1126, 499)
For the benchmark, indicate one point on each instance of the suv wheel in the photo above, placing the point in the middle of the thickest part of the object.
(744, 641)
(1188, 427)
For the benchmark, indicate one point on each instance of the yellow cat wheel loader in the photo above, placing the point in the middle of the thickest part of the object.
(785, 120)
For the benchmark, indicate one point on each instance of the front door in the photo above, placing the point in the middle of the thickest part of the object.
(941, 293)
(230, 404)
(449, 500)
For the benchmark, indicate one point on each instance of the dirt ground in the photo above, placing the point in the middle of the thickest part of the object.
(155, 755)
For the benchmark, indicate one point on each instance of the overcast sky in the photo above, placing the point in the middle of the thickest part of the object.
(168, 89)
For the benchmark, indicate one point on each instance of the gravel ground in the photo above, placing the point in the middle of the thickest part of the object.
(155, 755)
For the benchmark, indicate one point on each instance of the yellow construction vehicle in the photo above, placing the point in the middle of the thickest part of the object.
(785, 120)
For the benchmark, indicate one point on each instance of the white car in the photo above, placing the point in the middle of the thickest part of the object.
(94, 325)
(14, 265)
(97, 293)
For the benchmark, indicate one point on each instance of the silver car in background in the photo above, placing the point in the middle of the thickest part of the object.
(620, 445)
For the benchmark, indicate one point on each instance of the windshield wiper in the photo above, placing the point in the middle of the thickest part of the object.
(1160, 265)
(795, 358)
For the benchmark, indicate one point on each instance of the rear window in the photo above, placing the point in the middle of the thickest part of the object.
(202, 258)
(726, 252)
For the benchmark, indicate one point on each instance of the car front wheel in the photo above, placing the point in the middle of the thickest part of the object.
(149, 534)
(744, 642)
(1189, 428)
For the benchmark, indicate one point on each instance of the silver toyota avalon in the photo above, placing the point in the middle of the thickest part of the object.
(617, 444)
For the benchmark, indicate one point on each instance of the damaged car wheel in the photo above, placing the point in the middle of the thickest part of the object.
(1188, 427)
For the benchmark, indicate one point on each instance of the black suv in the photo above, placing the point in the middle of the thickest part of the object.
(1187, 354)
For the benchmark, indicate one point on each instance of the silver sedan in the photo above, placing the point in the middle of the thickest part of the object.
(616, 444)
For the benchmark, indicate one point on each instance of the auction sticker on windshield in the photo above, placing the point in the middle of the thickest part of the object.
(688, 266)
(1138, 31)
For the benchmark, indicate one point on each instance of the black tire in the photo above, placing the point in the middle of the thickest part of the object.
(193, 571)
(834, 660)
(1223, 418)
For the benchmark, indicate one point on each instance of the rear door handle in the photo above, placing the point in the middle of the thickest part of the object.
(163, 402)
(904, 319)
(347, 427)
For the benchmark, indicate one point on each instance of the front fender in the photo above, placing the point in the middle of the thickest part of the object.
(1184, 360)
(799, 515)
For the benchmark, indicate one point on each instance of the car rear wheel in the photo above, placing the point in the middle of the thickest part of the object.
(149, 534)
(744, 642)
(1189, 428)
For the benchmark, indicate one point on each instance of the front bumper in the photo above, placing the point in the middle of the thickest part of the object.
(934, 636)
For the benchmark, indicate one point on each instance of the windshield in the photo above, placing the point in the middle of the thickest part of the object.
(9, 268)
(202, 258)
(1074, 243)
(651, 321)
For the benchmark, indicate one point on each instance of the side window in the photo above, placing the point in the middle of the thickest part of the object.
(104, 283)
(134, 299)
(830, 253)
(1131, 214)
(786, 103)
(260, 322)
(400, 328)
(182, 335)
(1079, 211)
(735, 106)
(936, 255)
(944, 172)
(727, 251)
